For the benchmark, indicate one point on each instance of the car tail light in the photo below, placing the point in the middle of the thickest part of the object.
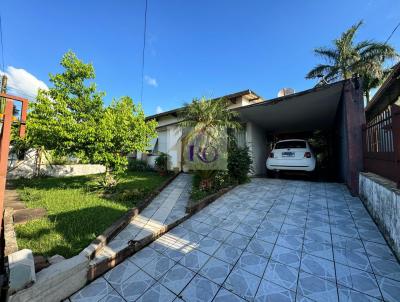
(271, 155)
(307, 155)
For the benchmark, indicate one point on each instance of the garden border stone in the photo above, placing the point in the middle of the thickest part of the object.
(202, 203)
(10, 238)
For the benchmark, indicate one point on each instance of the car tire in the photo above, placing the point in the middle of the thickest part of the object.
(271, 173)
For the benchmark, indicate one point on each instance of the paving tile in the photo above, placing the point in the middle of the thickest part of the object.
(237, 240)
(293, 242)
(349, 244)
(314, 235)
(242, 283)
(286, 256)
(228, 253)
(260, 247)
(157, 293)
(288, 229)
(112, 296)
(245, 230)
(318, 226)
(219, 234)
(121, 272)
(317, 289)
(252, 263)
(194, 260)
(351, 258)
(371, 235)
(390, 289)
(136, 285)
(379, 250)
(345, 230)
(226, 296)
(318, 249)
(216, 270)
(158, 266)
(358, 280)
(267, 235)
(272, 292)
(319, 267)
(143, 257)
(200, 289)
(385, 268)
(349, 295)
(177, 278)
(281, 274)
(95, 291)
(209, 245)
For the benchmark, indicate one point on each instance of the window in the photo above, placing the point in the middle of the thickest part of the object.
(290, 145)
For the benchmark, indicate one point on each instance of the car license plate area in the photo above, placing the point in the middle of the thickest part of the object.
(287, 154)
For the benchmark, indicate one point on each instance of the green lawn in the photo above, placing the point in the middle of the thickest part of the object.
(77, 213)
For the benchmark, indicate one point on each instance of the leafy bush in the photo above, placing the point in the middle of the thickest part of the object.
(217, 180)
(138, 165)
(239, 163)
(161, 162)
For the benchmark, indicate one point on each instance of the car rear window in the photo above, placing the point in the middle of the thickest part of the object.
(290, 145)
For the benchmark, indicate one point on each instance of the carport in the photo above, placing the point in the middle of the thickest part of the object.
(336, 108)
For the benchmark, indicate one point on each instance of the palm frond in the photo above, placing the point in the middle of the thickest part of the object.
(319, 70)
(328, 54)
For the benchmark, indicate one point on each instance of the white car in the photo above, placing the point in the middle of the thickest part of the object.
(291, 155)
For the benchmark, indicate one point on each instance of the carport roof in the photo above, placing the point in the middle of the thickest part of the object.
(303, 111)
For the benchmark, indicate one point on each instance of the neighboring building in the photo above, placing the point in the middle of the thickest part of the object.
(337, 109)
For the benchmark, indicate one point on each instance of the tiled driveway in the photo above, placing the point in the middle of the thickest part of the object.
(269, 240)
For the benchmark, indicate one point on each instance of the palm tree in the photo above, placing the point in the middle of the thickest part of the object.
(210, 119)
(348, 58)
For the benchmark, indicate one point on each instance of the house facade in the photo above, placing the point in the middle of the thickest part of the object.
(169, 132)
(335, 111)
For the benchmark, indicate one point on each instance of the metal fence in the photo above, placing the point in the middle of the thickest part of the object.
(382, 144)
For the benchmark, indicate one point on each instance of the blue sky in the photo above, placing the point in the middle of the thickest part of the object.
(194, 48)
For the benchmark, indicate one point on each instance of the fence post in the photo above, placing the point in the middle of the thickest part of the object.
(396, 140)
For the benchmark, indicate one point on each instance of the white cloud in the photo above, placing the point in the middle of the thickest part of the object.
(150, 81)
(21, 82)
(159, 110)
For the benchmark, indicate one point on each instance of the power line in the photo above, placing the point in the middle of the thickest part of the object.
(391, 34)
(1, 41)
(143, 50)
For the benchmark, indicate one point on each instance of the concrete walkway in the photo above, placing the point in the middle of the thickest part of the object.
(269, 240)
(165, 208)
(21, 213)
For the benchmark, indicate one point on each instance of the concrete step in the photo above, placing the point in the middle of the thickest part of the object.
(24, 215)
(15, 205)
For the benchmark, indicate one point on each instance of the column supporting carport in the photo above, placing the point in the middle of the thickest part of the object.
(353, 102)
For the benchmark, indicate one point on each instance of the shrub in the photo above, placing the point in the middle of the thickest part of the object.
(217, 180)
(138, 165)
(239, 163)
(161, 162)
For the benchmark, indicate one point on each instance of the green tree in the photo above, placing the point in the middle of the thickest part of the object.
(123, 128)
(65, 117)
(211, 118)
(70, 119)
(347, 58)
(207, 116)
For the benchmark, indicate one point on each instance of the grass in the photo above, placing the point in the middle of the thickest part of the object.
(77, 212)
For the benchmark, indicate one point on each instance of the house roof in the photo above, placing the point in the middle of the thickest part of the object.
(248, 94)
(387, 94)
(303, 111)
